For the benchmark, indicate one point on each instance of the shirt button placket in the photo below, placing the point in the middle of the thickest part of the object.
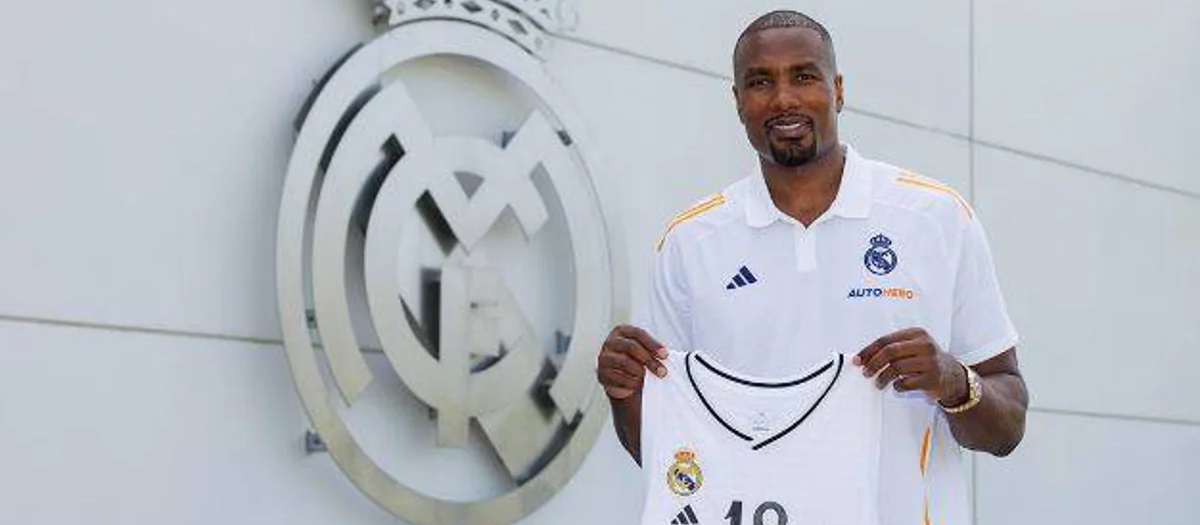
(806, 254)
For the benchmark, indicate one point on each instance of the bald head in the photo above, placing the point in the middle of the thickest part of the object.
(784, 19)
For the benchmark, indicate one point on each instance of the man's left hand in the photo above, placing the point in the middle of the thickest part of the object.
(911, 360)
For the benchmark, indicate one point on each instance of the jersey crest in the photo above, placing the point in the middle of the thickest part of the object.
(880, 258)
(684, 477)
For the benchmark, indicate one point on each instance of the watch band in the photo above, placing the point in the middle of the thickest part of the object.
(974, 393)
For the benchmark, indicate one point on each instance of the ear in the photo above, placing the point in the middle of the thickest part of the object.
(838, 92)
(737, 99)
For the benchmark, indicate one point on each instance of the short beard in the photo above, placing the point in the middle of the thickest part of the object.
(793, 155)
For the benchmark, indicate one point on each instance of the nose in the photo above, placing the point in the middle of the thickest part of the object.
(786, 99)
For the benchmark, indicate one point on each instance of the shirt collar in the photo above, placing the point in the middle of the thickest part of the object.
(853, 199)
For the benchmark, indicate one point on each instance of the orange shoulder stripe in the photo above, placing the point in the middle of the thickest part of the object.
(912, 179)
(710, 203)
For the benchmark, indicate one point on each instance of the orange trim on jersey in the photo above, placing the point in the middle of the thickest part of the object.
(926, 450)
(925, 442)
(906, 178)
(715, 198)
(695, 211)
(914, 177)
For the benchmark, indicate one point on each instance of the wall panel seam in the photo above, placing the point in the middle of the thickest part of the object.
(111, 327)
(1090, 170)
(1115, 417)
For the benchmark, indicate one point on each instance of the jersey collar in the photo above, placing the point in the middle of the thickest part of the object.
(853, 199)
(819, 370)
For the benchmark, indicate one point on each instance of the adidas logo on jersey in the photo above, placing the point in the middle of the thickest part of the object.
(685, 517)
(742, 278)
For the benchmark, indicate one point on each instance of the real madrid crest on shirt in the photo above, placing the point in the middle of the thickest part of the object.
(880, 258)
(684, 476)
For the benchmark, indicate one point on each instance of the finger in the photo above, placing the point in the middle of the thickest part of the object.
(907, 366)
(886, 376)
(616, 378)
(643, 338)
(866, 354)
(891, 353)
(617, 384)
(911, 383)
(904, 367)
(639, 353)
(910, 367)
(622, 362)
(613, 378)
(623, 372)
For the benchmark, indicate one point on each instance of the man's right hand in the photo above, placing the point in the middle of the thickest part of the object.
(626, 355)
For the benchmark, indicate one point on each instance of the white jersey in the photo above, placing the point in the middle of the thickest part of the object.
(722, 448)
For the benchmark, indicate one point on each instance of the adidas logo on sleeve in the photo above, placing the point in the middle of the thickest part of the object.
(722, 448)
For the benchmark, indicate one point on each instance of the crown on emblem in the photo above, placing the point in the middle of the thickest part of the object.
(881, 241)
(525, 22)
(684, 456)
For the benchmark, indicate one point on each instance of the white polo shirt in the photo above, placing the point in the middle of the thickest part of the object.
(753, 288)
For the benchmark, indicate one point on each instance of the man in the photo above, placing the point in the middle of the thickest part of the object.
(826, 251)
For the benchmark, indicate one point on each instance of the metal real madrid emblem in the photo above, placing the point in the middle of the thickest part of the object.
(444, 265)
(684, 477)
(880, 258)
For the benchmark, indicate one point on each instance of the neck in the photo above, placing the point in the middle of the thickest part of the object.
(805, 192)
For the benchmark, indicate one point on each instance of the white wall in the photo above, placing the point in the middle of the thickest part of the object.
(144, 146)
(1081, 167)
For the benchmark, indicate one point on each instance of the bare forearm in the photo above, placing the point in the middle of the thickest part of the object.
(627, 420)
(997, 424)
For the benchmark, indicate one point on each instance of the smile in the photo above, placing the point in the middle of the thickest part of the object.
(789, 126)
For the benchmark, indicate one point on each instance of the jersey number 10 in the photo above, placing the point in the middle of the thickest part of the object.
(735, 513)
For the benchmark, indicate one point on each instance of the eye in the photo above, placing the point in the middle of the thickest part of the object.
(806, 77)
(757, 82)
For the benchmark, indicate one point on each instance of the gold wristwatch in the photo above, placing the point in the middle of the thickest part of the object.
(974, 393)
